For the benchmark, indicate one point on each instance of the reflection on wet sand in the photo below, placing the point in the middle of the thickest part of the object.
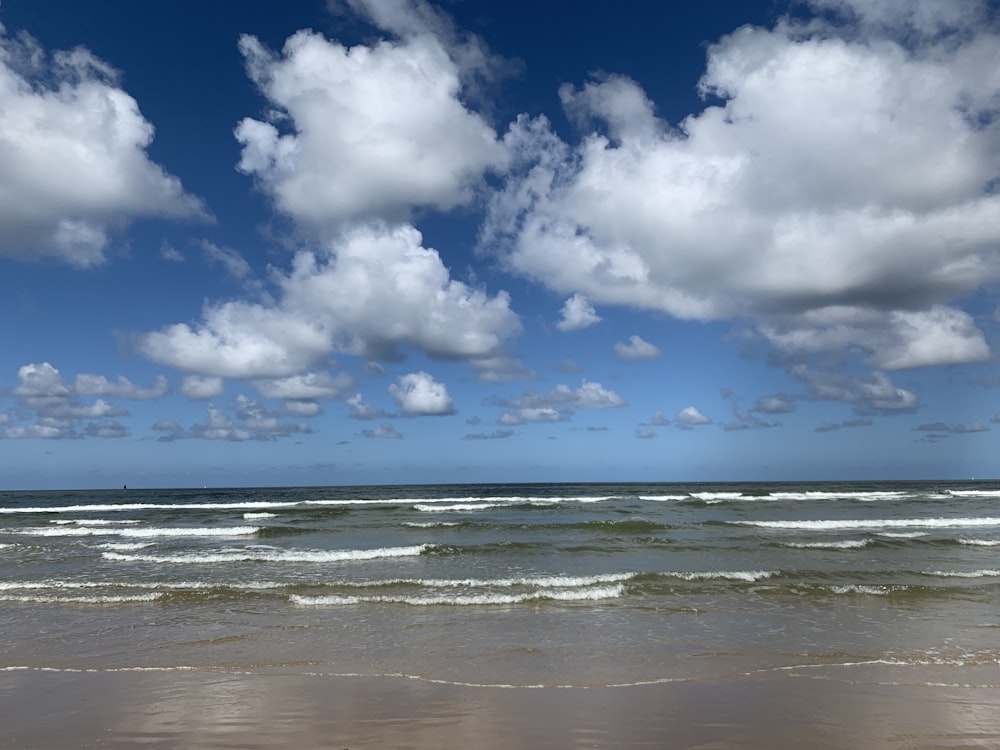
(887, 707)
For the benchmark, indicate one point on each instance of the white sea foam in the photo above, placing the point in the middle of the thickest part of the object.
(123, 507)
(662, 498)
(542, 582)
(729, 575)
(718, 496)
(886, 523)
(256, 516)
(46, 599)
(974, 493)
(845, 544)
(94, 521)
(140, 533)
(124, 546)
(430, 524)
(271, 554)
(839, 495)
(981, 542)
(586, 594)
(454, 507)
(902, 534)
(855, 588)
(987, 573)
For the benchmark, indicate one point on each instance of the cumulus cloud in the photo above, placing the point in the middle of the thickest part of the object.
(384, 431)
(50, 408)
(958, 429)
(590, 395)
(249, 420)
(636, 348)
(98, 385)
(360, 410)
(659, 419)
(371, 292)
(689, 416)
(528, 415)
(870, 395)
(558, 404)
(577, 313)
(835, 190)
(234, 263)
(202, 387)
(831, 426)
(312, 385)
(418, 394)
(495, 435)
(778, 404)
(372, 130)
(73, 145)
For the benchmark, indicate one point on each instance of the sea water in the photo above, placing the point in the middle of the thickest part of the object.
(510, 585)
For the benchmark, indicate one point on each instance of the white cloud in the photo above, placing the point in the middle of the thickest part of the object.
(689, 416)
(890, 340)
(589, 395)
(384, 431)
(375, 130)
(202, 387)
(495, 435)
(418, 394)
(73, 148)
(528, 415)
(659, 419)
(98, 385)
(401, 296)
(360, 410)
(312, 385)
(838, 171)
(968, 427)
(774, 405)
(250, 421)
(234, 263)
(636, 348)
(49, 408)
(577, 313)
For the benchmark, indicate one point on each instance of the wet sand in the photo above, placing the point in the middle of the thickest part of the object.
(53, 710)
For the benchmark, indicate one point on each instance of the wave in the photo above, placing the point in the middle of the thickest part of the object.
(883, 523)
(748, 576)
(586, 594)
(987, 573)
(845, 544)
(860, 588)
(257, 516)
(542, 582)
(431, 524)
(980, 542)
(162, 531)
(133, 507)
(46, 599)
(271, 554)
(454, 508)
(94, 521)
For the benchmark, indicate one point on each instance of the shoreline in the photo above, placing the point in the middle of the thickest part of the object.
(57, 710)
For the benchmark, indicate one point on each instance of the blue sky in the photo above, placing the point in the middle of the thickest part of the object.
(366, 241)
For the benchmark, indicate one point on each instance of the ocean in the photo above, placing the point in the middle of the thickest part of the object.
(521, 586)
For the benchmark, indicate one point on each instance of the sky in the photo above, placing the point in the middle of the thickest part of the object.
(391, 241)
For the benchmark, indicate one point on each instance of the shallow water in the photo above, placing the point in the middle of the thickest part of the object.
(554, 585)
